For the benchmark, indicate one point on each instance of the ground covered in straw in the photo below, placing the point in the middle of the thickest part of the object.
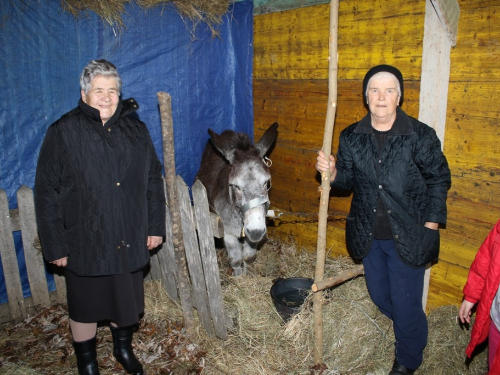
(357, 339)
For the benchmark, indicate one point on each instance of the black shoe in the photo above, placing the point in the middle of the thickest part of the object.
(86, 357)
(123, 352)
(398, 369)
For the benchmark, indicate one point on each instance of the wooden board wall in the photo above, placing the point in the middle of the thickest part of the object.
(290, 86)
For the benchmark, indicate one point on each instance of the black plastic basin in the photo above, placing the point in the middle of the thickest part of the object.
(289, 294)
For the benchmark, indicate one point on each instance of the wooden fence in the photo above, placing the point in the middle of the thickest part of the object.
(199, 227)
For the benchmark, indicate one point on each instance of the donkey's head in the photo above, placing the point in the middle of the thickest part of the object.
(249, 178)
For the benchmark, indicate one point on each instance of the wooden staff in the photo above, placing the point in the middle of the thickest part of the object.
(167, 127)
(325, 183)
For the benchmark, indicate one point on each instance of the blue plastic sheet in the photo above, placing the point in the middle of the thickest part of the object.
(44, 49)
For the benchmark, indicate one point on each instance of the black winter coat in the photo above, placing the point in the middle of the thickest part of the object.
(411, 176)
(99, 191)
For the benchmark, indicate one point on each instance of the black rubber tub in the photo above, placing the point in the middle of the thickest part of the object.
(289, 294)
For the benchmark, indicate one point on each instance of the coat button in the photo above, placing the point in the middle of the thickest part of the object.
(118, 247)
(117, 184)
(374, 210)
(389, 212)
(109, 129)
(379, 161)
(396, 236)
(380, 186)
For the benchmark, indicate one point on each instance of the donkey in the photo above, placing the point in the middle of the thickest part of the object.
(237, 179)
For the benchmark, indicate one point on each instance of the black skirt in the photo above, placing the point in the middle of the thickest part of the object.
(117, 298)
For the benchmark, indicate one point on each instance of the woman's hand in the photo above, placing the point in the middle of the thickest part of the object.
(323, 164)
(154, 242)
(465, 311)
(431, 225)
(60, 262)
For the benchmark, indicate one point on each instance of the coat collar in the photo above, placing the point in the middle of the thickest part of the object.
(402, 124)
(124, 108)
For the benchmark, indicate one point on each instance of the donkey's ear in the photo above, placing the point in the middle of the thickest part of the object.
(221, 146)
(267, 140)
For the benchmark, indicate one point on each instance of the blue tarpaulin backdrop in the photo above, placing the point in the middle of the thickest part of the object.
(44, 49)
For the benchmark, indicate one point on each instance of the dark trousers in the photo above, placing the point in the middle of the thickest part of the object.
(397, 291)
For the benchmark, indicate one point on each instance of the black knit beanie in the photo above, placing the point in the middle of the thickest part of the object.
(383, 68)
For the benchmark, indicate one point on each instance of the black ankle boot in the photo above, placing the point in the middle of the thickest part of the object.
(399, 369)
(123, 352)
(86, 357)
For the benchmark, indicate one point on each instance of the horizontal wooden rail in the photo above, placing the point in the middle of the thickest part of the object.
(332, 281)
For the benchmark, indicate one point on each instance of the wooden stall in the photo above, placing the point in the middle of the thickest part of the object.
(290, 87)
(198, 227)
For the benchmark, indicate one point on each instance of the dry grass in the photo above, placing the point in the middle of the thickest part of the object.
(111, 11)
(357, 338)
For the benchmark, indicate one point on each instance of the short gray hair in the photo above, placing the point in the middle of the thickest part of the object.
(95, 68)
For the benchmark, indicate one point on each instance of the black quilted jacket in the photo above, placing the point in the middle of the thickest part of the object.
(411, 176)
(99, 191)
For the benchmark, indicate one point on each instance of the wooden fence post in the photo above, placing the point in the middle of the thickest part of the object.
(209, 256)
(9, 262)
(35, 266)
(184, 288)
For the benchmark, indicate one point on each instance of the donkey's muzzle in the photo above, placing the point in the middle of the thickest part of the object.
(255, 235)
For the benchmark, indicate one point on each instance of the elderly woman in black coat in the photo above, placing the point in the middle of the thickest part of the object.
(100, 206)
(399, 177)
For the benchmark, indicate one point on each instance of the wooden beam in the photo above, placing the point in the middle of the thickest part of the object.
(436, 75)
(448, 12)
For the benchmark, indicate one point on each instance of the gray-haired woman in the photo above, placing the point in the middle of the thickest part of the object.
(100, 207)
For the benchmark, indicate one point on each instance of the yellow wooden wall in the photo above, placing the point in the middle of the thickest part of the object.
(290, 86)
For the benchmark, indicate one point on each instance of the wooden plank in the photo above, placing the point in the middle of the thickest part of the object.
(304, 235)
(269, 6)
(448, 12)
(209, 260)
(166, 258)
(5, 311)
(60, 282)
(5, 316)
(154, 267)
(200, 298)
(435, 73)
(294, 44)
(476, 56)
(434, 83)
(447, 282)
(15, 224)
(9, 263)
(216, 225)
(35, 265)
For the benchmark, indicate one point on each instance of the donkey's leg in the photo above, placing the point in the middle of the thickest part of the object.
(249, 253)
(234, 253)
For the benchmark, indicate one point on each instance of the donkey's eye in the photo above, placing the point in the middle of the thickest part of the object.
(235, 187)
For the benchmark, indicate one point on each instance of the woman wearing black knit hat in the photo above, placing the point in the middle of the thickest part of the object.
(399, 177)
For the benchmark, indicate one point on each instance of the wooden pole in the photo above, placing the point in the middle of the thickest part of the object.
(325, 183)
(341, 277)
(167, 127)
